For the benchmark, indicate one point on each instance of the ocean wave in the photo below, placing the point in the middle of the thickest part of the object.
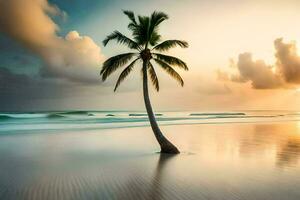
(55, 120)
(78, 112)
(216, 114)
(5, 117)
(21, 116)
(142, 115)
(55, 115)
(48, 115)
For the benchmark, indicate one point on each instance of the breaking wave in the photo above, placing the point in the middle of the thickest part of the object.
(73, 120)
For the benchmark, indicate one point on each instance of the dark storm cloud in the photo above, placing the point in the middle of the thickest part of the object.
(285, 73)
(22, 92)
(18, 91)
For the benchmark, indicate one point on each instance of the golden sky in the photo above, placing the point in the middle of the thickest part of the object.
(242, 54)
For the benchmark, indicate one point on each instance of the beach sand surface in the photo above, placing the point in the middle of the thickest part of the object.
(247, 161)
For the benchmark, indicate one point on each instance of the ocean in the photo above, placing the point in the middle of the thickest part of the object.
(14, 122)
(239, 155)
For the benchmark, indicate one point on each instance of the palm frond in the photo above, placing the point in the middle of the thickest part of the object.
(144, 30)
(155, 19)
(168, 44)
(153, 76)
(113, 63)
(171, 60)
(170, 71)
(122, 39)
(155, 38)
(125, 73)
(140, 32)
(133, 25)
(130, 15)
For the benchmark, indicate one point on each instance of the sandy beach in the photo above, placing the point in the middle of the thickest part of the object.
(219, 161)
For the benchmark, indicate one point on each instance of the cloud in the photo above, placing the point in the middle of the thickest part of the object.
(73, 57)
(19, 91)
(260, 74)
(24, 92)
(285, 73)
(78, 58)
(288, 61)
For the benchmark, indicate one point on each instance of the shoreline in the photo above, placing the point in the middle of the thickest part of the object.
(242, 161)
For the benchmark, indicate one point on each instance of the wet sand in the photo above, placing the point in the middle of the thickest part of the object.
(223, 161)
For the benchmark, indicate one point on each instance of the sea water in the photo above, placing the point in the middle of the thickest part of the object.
(238, 155)
(14, 122)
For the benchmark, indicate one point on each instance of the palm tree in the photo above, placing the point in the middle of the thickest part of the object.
(146, 47)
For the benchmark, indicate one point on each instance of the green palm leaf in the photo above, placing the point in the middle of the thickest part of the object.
(133, 26)
(168, 44)
(122, 39)
(144, 32)
(170, 71)
(113, 63)
(171, 60)
(140, 33)
(125, 73)
(155, 38)
(130, 15)
(153, 76)
(155, 19)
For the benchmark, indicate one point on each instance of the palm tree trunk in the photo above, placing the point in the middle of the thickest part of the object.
(165, 145)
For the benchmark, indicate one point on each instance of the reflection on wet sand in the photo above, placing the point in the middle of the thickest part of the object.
(289, 153)
(229, 161)
(284, 139)
(156, 188)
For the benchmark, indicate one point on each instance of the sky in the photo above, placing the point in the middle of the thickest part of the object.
(242, 55)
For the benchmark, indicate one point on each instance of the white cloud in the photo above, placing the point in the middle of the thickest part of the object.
(284, 73)
(75, 57)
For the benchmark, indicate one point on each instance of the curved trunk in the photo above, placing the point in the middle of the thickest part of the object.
(165, 145)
